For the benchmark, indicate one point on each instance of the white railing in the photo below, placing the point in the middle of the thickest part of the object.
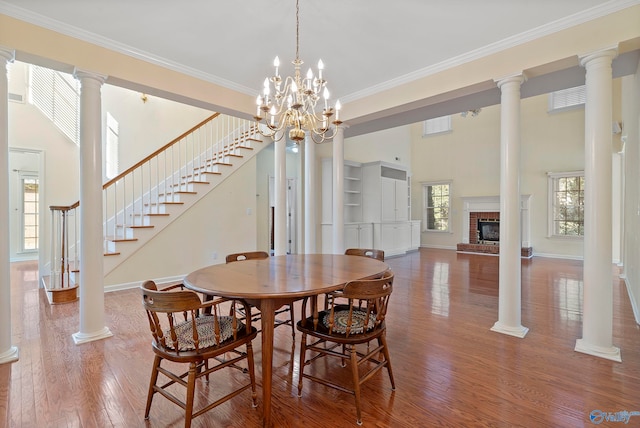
(64, 248)
(144, 190)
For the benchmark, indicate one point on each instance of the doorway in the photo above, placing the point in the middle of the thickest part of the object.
(25, 204)
(291, 224)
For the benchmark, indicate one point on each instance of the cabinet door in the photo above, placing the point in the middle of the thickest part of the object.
(388, 200)
(401, 198)
(351, 236)
(366, 235)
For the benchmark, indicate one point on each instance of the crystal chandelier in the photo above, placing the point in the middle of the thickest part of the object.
(290, 104)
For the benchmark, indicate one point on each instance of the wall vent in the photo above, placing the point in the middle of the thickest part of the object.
(18, 98)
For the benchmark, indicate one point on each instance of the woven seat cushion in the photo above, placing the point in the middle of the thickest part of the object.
(206, 334)
(341, 318)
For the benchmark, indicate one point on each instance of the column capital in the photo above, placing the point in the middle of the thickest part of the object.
(518, 78)
(85, 74)
(9, 55)
(608, 53)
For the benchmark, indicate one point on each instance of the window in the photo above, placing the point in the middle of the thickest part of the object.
(438, 125)
(566, 204)
(57, 96)
(437, 201)
(567, 99)
(111, 149)
(30, 212)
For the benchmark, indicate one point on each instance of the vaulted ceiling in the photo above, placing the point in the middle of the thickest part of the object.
(367, 46)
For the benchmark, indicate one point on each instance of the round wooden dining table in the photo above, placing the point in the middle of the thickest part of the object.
(271, 283)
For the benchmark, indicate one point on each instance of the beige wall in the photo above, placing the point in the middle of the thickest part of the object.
(60, 167)
(145, 127)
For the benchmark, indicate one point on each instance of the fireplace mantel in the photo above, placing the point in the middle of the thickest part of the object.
(492, 204)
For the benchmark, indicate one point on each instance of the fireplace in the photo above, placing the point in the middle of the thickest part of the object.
(481, 225)
(488, 231)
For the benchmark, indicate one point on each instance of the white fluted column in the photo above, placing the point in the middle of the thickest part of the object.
(310, 183)
(92, 323)
(8, 353)
(338, 191)
(280, 194)
(509, 298)
(597, 318)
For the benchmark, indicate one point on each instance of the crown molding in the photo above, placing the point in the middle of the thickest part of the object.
(89, 37)
(533, 34)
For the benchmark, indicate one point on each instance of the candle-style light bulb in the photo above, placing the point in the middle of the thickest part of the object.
(338, 107)
(259, 103)
(320, 68)
(272, 112)
(276, 64)
(325, 94)
(309, 78)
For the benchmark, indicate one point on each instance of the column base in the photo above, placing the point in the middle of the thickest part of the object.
(79, 338)
(518, 331)
(610, 353)
(11, 356)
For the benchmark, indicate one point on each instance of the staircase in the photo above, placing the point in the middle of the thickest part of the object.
(143, 200)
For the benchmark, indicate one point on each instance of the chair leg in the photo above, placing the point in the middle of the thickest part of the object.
(382, 340)
(252, 375)
(356, 383)
(152, 384)
(191, 387)
(303, 351)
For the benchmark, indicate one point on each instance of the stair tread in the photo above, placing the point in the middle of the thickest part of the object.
(120, 239)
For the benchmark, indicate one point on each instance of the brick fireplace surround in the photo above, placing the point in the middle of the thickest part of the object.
(488, 208)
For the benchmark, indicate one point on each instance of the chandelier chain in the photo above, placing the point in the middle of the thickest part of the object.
(297, 29)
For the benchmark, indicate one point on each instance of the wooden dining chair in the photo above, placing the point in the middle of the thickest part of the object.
(362, 252)
(342, 331)
(287, 309)
(183, 333)
(365, 252)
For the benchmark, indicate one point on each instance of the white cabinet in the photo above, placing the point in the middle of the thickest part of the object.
(395, 238)
(352, 191)
(393, 199)
(358, 235)
(385, 192)
(376, 207)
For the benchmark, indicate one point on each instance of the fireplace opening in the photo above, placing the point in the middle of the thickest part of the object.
(488, 231)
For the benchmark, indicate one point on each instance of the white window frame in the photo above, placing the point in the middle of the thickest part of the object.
(436, 126)
(567, 99)
(23, 176)
(552, 179)
(425, 208)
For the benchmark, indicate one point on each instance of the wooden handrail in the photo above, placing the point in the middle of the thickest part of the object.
(64, 207)
(160, 150)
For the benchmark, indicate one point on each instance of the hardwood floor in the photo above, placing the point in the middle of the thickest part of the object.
(449, 368)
